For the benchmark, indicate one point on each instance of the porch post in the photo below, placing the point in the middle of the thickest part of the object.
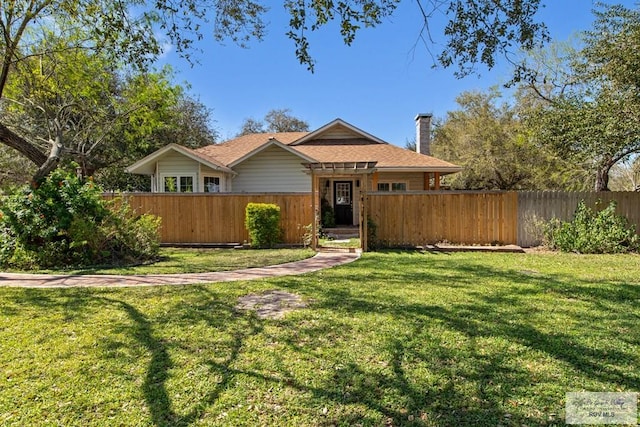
(436, 181)
(364, 201)
(314, 229)
(427, 181)
(374, 181)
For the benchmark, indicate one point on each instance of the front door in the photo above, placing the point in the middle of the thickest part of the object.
(343, 202)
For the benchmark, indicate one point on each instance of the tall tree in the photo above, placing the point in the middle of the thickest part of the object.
(593, 118)
(87, 111)
(495, 150)
(277, 120)
(128, 31)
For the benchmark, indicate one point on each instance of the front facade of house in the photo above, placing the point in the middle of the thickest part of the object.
(338, 161)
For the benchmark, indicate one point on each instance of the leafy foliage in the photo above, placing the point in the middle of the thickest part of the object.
(277, 120)
(327, 215)
(263, 222)
(593, 232)
(477, 31)
(65, 222)
(590, 114)
(480, 29)
(496, 151)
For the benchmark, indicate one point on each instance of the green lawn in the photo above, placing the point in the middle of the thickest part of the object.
(393, 339)
(188, 260)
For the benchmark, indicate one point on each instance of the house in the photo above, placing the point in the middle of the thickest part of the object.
(337, 161)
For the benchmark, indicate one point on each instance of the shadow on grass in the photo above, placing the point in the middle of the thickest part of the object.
(430, 366)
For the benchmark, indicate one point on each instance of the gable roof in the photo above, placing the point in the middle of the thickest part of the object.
(337, 123)
(143, 166)
(387, 156)
(335, 142)
(271, 142)
(230, 152)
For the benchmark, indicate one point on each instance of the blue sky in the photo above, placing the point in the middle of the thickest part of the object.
(378, 84)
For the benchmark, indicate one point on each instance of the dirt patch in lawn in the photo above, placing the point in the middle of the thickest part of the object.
(271, 304)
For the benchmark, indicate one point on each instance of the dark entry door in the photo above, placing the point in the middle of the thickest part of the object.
(343, 202)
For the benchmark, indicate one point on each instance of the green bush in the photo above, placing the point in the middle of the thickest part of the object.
(327, 216)
(263, 222)
(372, 235)
(593, 232)
(65, 222)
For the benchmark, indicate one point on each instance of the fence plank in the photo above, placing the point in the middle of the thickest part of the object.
(415, 219)
(537, 207)
(219, 218)
(401, 218)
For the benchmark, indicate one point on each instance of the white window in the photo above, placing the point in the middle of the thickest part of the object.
(177, 183)
(392, 186)
(211, 184)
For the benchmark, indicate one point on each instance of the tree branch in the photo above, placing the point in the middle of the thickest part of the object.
(24, 147)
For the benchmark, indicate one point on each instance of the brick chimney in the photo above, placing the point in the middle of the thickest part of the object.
(423, 133)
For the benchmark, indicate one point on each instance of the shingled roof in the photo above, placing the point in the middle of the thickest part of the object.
(358, 147)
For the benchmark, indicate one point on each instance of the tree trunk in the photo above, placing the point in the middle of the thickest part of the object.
(24, 147)
(52, 161)
(602, 178)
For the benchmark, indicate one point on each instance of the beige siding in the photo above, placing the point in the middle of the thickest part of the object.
(272, 170)
(177, 163)
(174, 163)
(339, 132)
(414, 180)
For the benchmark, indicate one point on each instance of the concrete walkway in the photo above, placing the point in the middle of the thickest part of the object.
(320, 261)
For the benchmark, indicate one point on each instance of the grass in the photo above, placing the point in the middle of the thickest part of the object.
(186, 260)
(353, 242)
(395, 338)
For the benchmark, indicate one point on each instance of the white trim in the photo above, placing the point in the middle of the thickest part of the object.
(337, 122)
(178, 176)
(222, 187)
(391, 182)
(269, 143)
(179, 149)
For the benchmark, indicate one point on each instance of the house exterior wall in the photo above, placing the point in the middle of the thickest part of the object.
(272, 170)
(414, 180)
(175, 164)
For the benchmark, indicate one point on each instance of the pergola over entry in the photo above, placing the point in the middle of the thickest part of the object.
(318, 170)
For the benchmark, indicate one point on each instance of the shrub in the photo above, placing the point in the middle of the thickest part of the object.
(327, 216)
(263, 222)
(64, 221)
(372, 235)
(593, 232)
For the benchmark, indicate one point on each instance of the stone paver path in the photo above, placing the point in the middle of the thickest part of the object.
(320, 261)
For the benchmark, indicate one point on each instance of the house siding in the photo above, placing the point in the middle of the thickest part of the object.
(414, 180)
(339, 132)
(273, 170)
(177, 164)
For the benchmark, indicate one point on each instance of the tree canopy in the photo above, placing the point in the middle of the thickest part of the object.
(591, 111)
(276, 120)
(130, 34)
(496, 151)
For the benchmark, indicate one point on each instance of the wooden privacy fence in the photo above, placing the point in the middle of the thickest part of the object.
(416, 219)
(219, 218)
(402, 219)
(537, 207)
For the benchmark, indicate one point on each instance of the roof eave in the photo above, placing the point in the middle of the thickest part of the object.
(335, 122)
(441, 169)
(180, 149)
(270, 142)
